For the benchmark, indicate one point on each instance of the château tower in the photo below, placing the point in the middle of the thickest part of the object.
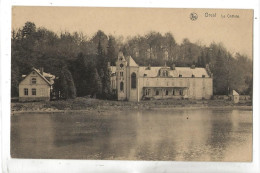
(121, 65)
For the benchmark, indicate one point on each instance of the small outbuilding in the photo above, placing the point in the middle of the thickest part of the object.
(234, 96)
(36, 86)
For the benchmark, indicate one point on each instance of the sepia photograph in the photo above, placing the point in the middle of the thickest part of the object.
(137, 84)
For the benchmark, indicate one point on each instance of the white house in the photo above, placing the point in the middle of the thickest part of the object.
(36, 86)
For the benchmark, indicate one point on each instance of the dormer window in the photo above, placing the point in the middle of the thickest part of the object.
(163, 73)
(33, 80)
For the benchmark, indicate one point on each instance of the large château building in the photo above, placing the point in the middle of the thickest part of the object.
(134, 83)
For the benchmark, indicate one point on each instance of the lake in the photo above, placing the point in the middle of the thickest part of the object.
(165, 134)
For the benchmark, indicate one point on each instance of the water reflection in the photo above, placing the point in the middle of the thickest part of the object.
(187, 135)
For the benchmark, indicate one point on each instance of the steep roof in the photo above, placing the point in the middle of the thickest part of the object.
(188, 72)
(234, 93)
(131, 62)
(184, 71)
(150, 72)
(45, 76)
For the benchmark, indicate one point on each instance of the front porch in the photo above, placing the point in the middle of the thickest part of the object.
(165, 92)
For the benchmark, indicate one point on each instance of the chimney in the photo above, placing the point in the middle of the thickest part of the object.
(192, 66)
(41, 70)
(173, 66)
(207, 66)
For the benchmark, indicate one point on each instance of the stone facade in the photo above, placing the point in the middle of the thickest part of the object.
(133, 82)
(36, 86)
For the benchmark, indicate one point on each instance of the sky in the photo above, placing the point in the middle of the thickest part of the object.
(234, 31)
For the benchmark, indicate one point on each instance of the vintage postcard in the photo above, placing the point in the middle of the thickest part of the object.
(132, 84)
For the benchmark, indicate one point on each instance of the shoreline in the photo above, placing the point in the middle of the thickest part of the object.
(250, 108)
(81, 104)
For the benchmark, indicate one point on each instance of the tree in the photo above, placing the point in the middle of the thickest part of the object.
(111, 52)
(199, 61)
(220, 74)
(28, 30)
(170, 44)
(15, 79)
(97, 85)
(64, 85)
(100, 39)
(203, 60)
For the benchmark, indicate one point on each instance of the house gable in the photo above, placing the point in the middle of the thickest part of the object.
(40, 80)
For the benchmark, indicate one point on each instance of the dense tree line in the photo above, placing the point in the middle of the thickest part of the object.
(80, 63)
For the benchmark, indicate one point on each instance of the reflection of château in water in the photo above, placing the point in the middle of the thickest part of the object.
(133, 82)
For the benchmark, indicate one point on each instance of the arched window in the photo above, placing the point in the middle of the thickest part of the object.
(33, 80)
(121, 86)
(133, 80)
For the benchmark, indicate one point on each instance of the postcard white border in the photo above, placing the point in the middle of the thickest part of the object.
(40, 165)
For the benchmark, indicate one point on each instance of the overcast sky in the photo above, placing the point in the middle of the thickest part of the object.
(234, 33)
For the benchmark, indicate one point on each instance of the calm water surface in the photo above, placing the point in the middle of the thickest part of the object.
(179, 135)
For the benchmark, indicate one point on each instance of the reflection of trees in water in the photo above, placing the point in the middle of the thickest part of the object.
(31, 136)
(94, 136)
(15, 136)
(148, 135)
(155, 136)
(220, 133)
(193, 131)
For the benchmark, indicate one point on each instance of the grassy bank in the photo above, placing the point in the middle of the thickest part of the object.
(90, 104)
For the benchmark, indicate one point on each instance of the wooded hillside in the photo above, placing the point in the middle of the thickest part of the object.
(80, 61)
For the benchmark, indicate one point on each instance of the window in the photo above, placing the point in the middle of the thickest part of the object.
(203, 76)
(166, 92)
(180, 75)
(34, 92)
(121, 65)
(25, 91)
(33, 80)
(121, 73)
(164, 73)
(173, 92)
(181, 92)
(157, 92)
(147, 92)
(121, 86)
(133, 80)
(193, 75)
